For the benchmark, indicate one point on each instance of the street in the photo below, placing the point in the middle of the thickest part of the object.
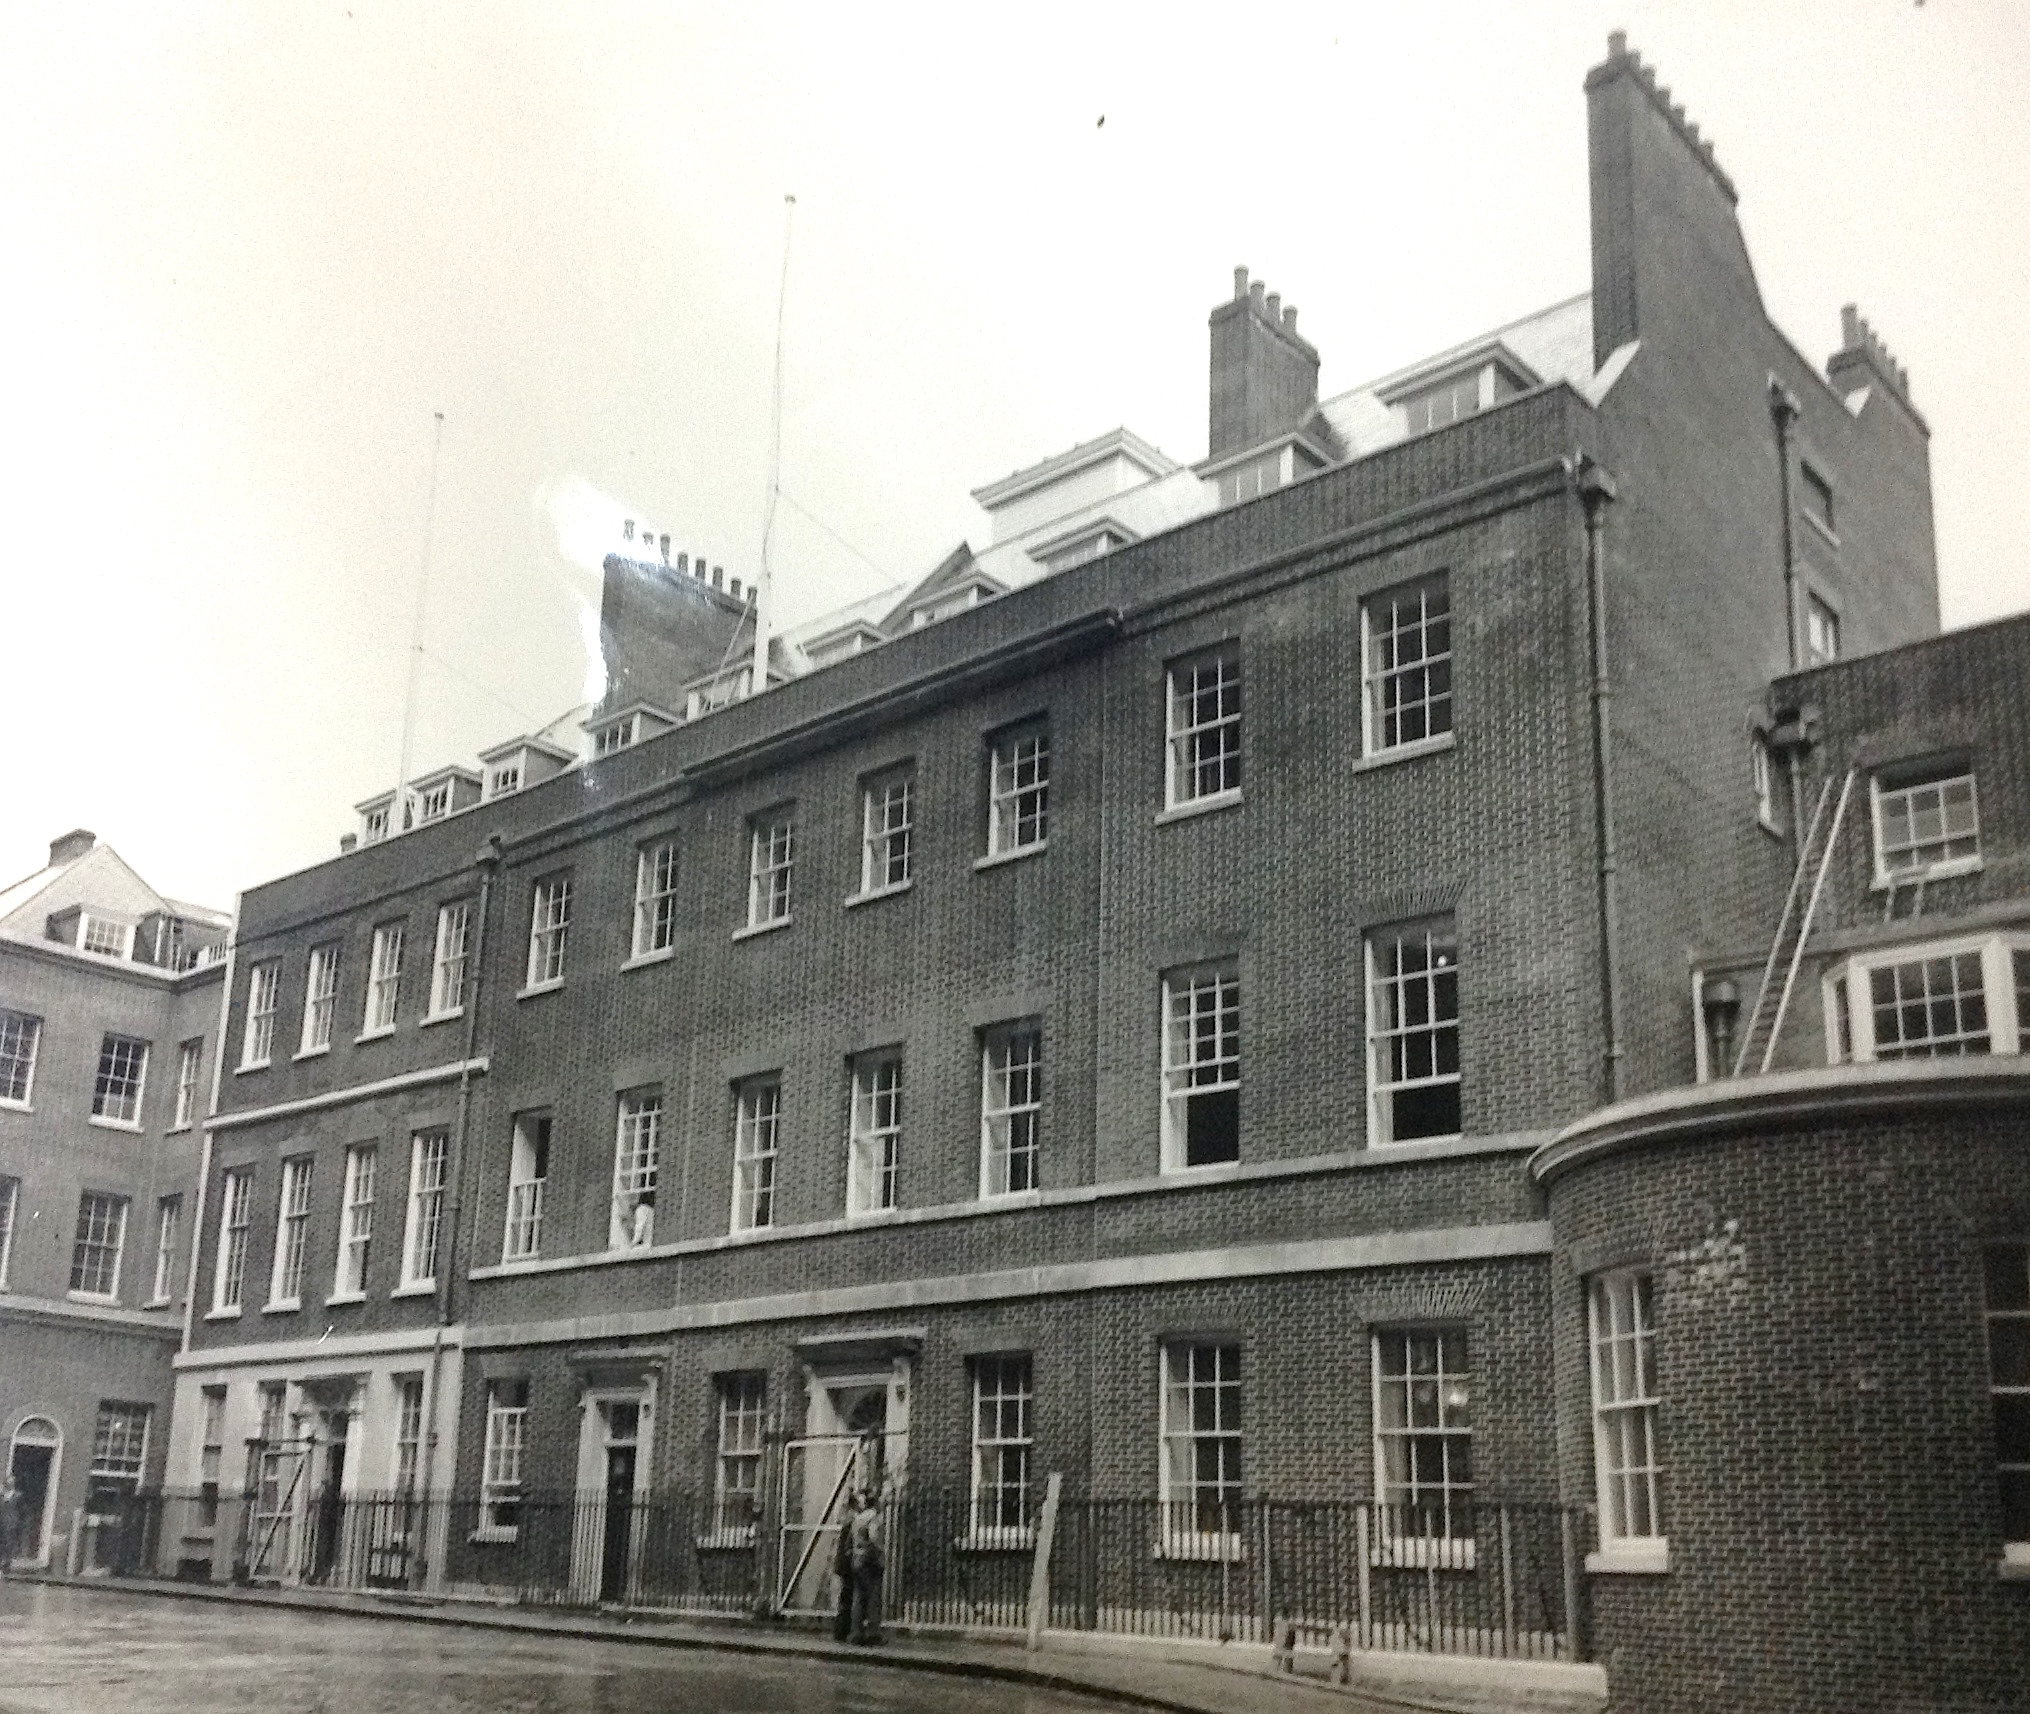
(68, 1651)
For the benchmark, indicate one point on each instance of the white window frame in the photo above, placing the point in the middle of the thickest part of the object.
(1202, 728)
(771, 866)
(1201, 1056)
(384, 981)
(528, 1174)
(406, 1461)
(374, 824)
(736, 1474)
(1182, 1534)
(10, 1208)
(101, 1240)
(1626, 1403)
(506, 1448)
(874, 1133)
(356, 1223)
(2005, 1267)
(1851, 1031)
(1762, 781)
(448, 956)
(22, 1034)
(320, 999)
(1418, 1401)
(433, 804)
(887, 831)
(1003, 1433)
(1398, 1039)
(94, 928)
(655, 901)
(189, 1070)
(1011, 1108)
(1883, 802)
(168, 1230)
(211, 1455)
(423, 1228)
(118, 1094)
(236, 1220)
(1383, 669)
(1821, 630)
(757, 1126)
(637, 1168)
(549, 931)
(120, 1443)
(1018, 789)
(616, 735)
(257, 1041)
(503, 779)
(292, 1234)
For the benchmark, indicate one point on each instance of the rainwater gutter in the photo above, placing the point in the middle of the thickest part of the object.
(1596, 493)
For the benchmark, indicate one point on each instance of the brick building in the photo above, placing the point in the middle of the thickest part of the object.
(1093, 1013)
(109, 994)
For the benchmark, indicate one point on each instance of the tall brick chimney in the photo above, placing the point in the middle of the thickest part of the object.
(71, 846)
(1264, 377)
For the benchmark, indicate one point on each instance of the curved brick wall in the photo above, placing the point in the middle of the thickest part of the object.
(1826, 1436)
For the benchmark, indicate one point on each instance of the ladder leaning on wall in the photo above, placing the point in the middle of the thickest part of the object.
(1814, 857)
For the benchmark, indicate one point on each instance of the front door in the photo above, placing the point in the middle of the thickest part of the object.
(30, 1470)
(330, 1501)
(619, 1519)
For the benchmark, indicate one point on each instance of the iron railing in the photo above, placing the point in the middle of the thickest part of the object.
(1494, 1579)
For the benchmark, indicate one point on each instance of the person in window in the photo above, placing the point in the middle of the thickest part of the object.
(870, 1559)
(644, 1229)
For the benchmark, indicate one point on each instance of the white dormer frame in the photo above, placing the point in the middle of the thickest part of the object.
(1058, 552)
(123, 931)
(954, 598)
(826, 650)
(376, 818)
(521, 758)
(1482, 362)
(441, 789)
(626, 727)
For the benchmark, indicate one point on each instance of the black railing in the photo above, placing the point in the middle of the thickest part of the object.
(1490, 1579)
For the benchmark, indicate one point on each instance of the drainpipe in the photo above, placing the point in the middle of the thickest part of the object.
(488, 864)
(1783, 410)
(1596, 494)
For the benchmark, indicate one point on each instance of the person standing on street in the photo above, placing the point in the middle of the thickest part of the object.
(842, 1567)
(870, 1560)
(10, 1504)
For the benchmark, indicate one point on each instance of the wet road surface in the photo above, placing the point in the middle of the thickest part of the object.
(69, 1651)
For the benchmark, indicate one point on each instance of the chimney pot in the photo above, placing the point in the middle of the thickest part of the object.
(717, 571)
(1275, 306)
(1289, 318)
(347, 842)
(1257, 290)
(627, 530)
(683, 562)
(733, 587)
(1240, 283)
(1617, 43)
(664, 543)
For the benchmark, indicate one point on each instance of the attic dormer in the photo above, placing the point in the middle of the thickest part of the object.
(624, 728)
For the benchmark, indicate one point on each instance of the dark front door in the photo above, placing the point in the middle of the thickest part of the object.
(330, 1505)
(31, 1504)
(619, 1516)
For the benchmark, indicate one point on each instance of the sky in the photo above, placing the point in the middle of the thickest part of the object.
(254, 250)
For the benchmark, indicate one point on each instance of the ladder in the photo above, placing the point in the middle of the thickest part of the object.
(1822, 838)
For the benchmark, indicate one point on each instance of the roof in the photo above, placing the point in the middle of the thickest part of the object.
(1115, 443)
(99, 879)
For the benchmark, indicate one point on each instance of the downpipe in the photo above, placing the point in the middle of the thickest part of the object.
(1596, 493)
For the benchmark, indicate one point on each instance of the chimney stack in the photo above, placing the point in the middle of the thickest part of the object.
(71, 846)
(1264, 376)
(663, 542)
(627, 530)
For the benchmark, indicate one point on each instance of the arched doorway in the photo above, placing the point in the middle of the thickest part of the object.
(34, 1461)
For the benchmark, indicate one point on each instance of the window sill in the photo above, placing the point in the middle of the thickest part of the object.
(285, 1306)
(1198, 806)
(160, 1303)
(996, 1541)
(721, 1541)
(374, 1034)
(869, 1216)
(430, 1018)
(91, 1297)
(345, 1297)
(1404, 753)
(313, 1052)
(994, 859)
(1407, 1142)
(114, 1124)
(228, 1314)
(1825, 531)
(415, 1288)
(1029, 1198)
(534, 988)
(2015, 1566)
(1422, 1553)
(873, 893)
(494, 1533)
(1930, 872)
(1648, 1556)
(15, 1107)
(642, 960)
(247, 1065)
(1215, 1548)
(759, 928)
(1198, 1169)
(1768, 825)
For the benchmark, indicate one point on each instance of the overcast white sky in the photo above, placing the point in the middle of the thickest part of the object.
(251, 249)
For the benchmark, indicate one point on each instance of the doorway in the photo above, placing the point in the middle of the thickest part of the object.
(32, 1464)
(330, 1504)
(623, 1440)
(856, 1435)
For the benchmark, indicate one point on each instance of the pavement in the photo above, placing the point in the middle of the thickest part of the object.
(1157, 1674)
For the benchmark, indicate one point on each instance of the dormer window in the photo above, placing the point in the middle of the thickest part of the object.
(503, 780)
(105, 936)
(954, 599)
(1444, 399)
(434, 804)
(1264, 472)
(373, 825)
(1091, 543)
(616, 735)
